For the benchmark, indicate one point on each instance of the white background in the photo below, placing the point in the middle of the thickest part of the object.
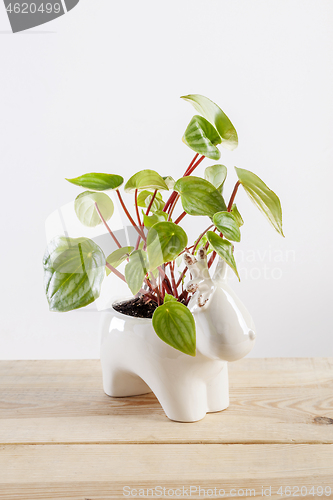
(98, 90)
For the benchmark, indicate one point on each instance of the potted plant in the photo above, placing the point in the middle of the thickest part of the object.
(173, 336)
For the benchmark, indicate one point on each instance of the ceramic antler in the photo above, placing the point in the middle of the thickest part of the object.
(201, 283)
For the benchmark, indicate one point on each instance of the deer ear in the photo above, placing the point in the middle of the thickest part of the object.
(202, 254)
(189, 260)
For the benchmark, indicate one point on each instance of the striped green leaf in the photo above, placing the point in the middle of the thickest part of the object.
(144, 199)
(216, 175)
(136, 270)
(199, 197)
(165, 240)
(202, 137)
(216, 117)
(224, 249)
(263, 197)
(175, 325)
(73, 273)
(85, 208)
(117, 257)
(98, 182)
(237, 215)
(145, 179)
(226, 223)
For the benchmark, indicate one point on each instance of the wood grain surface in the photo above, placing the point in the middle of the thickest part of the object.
(61, 437)
(271, 401)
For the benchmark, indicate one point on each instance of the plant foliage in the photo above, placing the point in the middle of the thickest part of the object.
(152, 266)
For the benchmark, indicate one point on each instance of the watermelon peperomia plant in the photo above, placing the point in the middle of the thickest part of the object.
(75, 268)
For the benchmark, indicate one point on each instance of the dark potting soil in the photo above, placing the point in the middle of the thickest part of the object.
(136, 307)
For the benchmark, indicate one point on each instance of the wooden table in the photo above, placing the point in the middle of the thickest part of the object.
(63, 438)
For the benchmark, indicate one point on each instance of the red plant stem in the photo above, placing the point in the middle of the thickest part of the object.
(155, 286)
(165, 280)
(175, 196)
(149, 284)
(129, 216)
(211, 260)
(186, 250)
(199, 239)
(147, 212)
(183, 296)
(177, 221)
(173, 206)
(181, 277)
(173, 282)
(147, 294)
(137, 208)
(168, 285)
(107, 227)
(191, 164)
(189, 172)
(174, 193)
(116, 272)
(233, 195)
(151, 201)
(170, 200)
(165, 288)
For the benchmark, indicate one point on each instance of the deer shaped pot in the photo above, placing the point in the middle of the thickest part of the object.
(136, 361)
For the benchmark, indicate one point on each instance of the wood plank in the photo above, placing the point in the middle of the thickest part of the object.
(271, 401)
(101, 471)
(254, 372)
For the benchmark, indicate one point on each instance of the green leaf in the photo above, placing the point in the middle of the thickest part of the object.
(174, 324)
(227, 224)
(169, 181)
(155, 273)
(150, 220)
(136, 270)
(202, 137)
(98, 182)
(144, 199)
(142, 196)
(216, 117)
(179, 260)
(202, 243)
(169, 298)
(237, 215)
(260, 194)
(73, 273)
(199, 197)
(216, 175)
(117, 257)
(165, 240)
(145, 179)
(157, 205)
(85, 208)
(224, 249)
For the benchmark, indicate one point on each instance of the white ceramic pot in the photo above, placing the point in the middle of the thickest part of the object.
(136, 361)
